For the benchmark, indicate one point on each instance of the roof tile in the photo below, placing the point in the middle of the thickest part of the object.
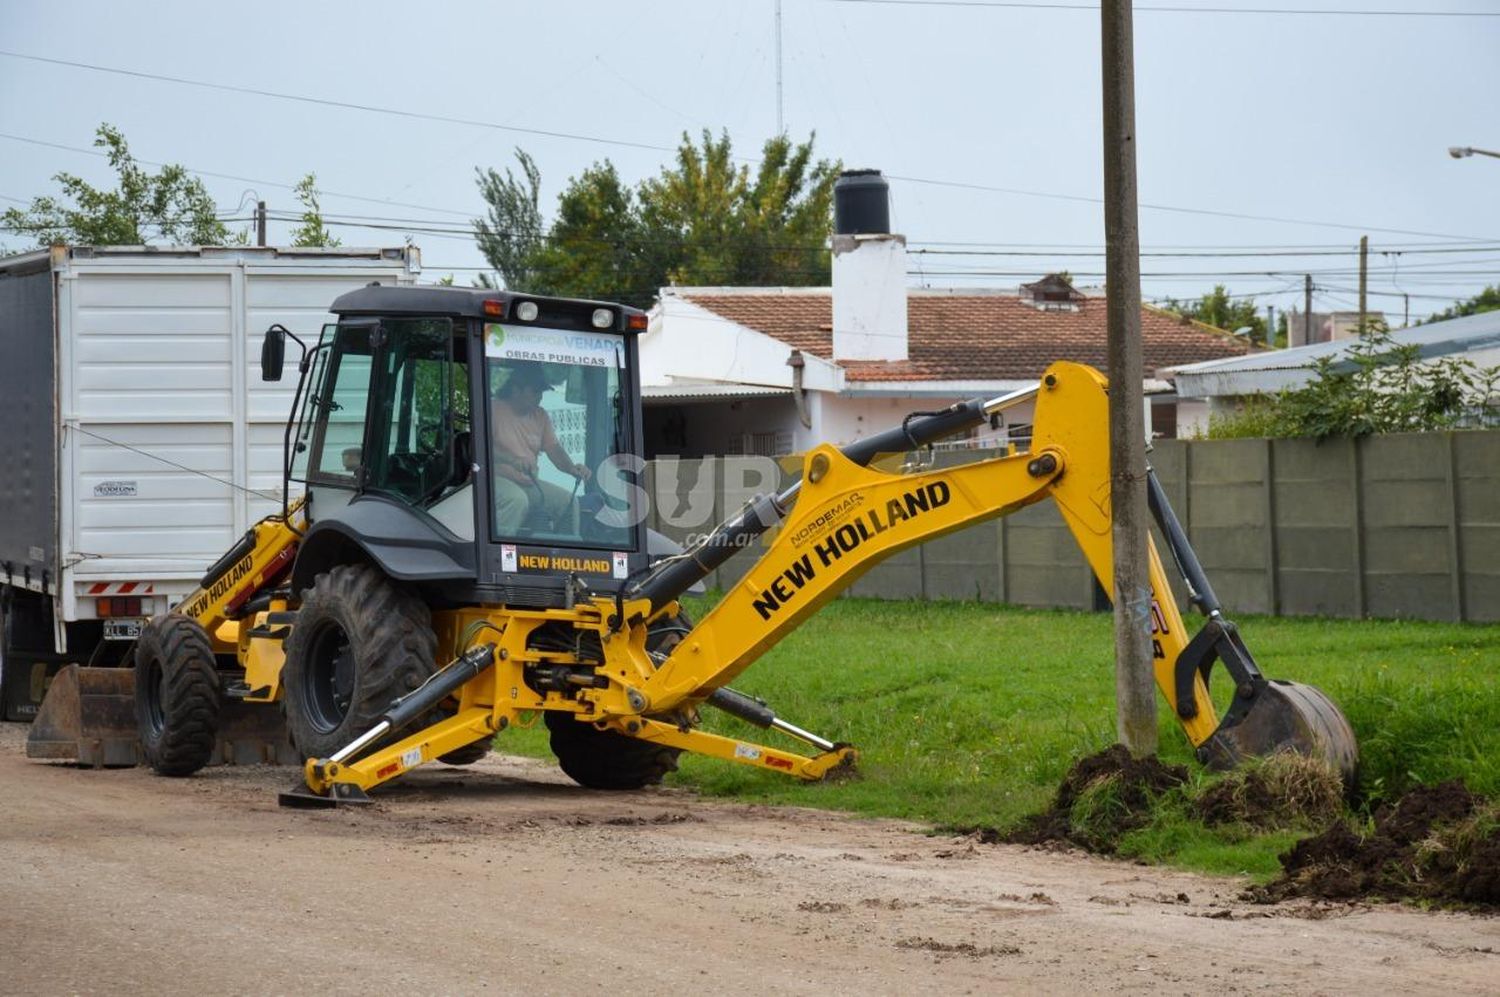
(956, 336)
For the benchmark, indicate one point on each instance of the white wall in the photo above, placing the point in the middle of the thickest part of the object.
(869, 297)
(840, 419)
(1192, 417)
(689, 343)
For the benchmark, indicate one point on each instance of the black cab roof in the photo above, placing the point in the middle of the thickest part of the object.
(481, 303)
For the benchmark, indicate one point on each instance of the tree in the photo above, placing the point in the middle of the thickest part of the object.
(511, 231)
(702, 220)
(1487, 300)
(1222, 310)
(1382, 387)
(595, 247)
(312, 231)
(171, 207)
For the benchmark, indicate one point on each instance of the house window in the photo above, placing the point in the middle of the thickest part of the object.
(772, 443)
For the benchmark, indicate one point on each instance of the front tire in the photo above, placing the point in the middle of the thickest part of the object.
(359, 642)
(177, 695)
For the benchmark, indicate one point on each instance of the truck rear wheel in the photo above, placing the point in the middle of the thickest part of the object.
(603, 759)
(177, 697)
(359, 642)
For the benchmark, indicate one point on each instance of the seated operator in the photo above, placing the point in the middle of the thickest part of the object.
(522, 431)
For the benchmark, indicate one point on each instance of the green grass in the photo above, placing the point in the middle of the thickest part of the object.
(969, 714)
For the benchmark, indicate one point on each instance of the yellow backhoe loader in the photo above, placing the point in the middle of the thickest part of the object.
(470, 553)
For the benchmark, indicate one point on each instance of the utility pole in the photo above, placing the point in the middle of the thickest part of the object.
(260, 223)
(1306, 309)
(780, 127)
(1270, 325)
(1135, 687)
(1364, 277)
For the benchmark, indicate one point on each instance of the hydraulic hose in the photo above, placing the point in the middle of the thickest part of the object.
(676, 576)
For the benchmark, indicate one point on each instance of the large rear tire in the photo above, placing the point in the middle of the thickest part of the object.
(177, 695)
(468, 754)
(359, 642)
(603, 759)
(25, 648)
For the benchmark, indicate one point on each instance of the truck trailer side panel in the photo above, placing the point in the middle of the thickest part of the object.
(28, 486)
(141, 441)
(173, 442)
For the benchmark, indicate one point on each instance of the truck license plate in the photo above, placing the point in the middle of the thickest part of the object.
(122, 629)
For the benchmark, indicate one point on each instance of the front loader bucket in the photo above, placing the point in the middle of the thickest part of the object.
(88, 716)
(1283, 716)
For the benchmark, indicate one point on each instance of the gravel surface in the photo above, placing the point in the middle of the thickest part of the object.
(504, 877)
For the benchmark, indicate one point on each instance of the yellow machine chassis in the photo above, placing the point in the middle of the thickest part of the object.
(845, 519)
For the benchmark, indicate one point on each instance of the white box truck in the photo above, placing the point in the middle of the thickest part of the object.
(138, 439)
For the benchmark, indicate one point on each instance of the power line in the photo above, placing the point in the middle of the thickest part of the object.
(1221, 254)
(1294, 11)
(438, 227)
(578, 136)
(1394, 294)
(239, 179)
(343, 104)
(1238, 215)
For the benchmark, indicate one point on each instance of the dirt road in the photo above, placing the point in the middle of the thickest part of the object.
(505, 877)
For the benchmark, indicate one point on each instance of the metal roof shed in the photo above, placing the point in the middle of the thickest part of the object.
(1476, 337)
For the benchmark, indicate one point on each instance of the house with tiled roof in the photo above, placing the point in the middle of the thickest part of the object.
(775, 370)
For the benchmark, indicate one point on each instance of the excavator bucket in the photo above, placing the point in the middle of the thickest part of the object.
(88, 716)
(1284, 716)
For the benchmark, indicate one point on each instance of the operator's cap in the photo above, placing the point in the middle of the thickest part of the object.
(529, 375)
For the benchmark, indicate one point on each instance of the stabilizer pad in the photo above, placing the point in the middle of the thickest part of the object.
(299, 797)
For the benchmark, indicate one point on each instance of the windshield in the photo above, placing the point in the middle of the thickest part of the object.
(556, 417)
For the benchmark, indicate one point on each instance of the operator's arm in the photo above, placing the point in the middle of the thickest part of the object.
(553, 449)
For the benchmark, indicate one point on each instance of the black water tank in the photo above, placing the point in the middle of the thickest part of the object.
(861, 203)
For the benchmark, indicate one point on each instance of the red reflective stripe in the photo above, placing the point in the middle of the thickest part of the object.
(127, 587)
(98, 588)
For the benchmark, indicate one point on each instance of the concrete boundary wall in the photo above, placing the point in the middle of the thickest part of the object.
(1398, 526)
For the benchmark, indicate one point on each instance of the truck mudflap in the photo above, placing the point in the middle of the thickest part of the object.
(88, 717)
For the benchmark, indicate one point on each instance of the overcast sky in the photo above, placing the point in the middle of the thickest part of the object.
(1343, 120)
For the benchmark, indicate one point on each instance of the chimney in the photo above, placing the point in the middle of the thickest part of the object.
(869, 271)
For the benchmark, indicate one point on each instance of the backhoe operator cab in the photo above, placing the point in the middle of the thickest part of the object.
(476, 444)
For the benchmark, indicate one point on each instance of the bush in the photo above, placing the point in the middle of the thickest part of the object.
(1388, 389)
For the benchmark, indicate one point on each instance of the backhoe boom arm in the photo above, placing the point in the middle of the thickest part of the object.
(843, 517)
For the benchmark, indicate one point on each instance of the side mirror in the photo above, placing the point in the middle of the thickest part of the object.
(273, 354)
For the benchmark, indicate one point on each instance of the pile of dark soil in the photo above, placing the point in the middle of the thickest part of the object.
(1439, 844)
(1102, 797)
(1285, 790)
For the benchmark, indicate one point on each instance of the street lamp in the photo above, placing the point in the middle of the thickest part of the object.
(1464, 151)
